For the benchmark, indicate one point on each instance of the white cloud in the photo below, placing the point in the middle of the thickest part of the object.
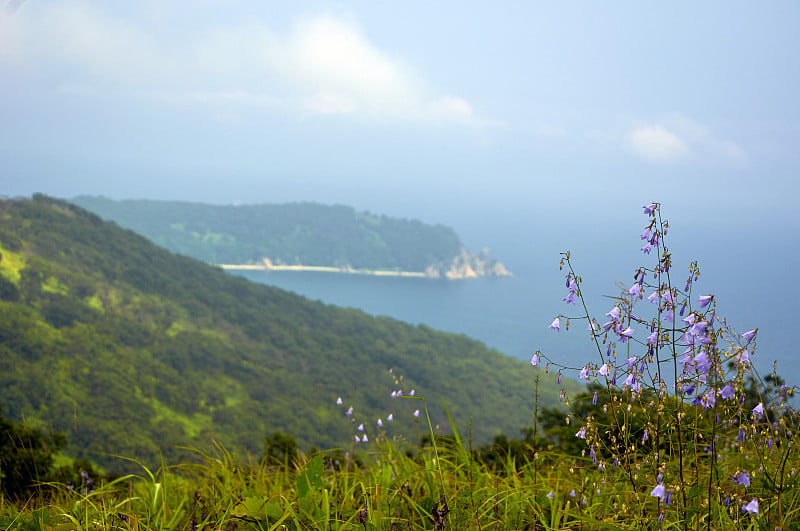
(678, 137)
(322, 65)
(656, 142)
(332, 60)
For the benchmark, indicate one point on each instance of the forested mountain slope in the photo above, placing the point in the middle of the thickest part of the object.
(130, 349)
(310, 234)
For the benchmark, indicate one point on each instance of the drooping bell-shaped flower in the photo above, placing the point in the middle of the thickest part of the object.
(636, 290)
(652, 339)
(535, 359)
(742, 479)
(572, 285)
(626, 334)
(727, 392)
(709, 399)
(556, 324)
(698, 329)
(614, 313)
(339, 401)
(380, 423)
(702, 363)
(603, 370)
(390, 418)
(752, 507)
(630, 381)
(581, 433)
(649, 209)
(758, 411)
(659, 491)
(705, 300)
(584, 372)
(749, 335)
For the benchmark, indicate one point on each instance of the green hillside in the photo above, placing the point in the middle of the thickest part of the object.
(130, 349)
(294, 234)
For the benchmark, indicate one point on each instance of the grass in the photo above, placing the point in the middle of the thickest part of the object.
(395, 486)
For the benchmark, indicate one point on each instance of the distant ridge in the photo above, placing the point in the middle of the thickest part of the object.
(299, 236)
(132, 350)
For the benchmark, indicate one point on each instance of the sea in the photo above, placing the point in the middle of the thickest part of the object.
(750, 276)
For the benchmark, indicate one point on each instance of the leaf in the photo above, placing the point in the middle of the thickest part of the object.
(310, 477)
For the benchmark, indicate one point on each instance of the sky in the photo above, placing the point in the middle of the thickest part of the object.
(417, 109)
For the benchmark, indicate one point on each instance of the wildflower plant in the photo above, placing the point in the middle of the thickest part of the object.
(679, 416)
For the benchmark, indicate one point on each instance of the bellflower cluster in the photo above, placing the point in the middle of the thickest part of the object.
(644, 429)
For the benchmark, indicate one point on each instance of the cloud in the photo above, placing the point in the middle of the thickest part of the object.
(331, 60)
(677, 137)
(322, 64)
(656, 142)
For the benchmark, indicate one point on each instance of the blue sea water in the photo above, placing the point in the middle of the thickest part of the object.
(749, 275)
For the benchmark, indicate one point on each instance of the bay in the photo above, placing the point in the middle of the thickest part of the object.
(512, 314)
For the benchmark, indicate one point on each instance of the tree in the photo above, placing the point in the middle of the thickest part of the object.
(26, 457)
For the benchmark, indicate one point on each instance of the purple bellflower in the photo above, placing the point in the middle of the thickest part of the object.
(659, 491)
(556, 324)
(727, 392)
(749, 335)
(636, 290)
(705, 300)
(649, 209)
(752, 507)
(742, 479)
(535, 359)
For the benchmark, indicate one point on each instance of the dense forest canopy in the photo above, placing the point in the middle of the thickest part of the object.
(308, 234)
(130, 349)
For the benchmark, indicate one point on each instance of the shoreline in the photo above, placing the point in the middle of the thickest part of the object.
(325, 269)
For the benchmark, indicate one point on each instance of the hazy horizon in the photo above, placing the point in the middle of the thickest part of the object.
(581, 109)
